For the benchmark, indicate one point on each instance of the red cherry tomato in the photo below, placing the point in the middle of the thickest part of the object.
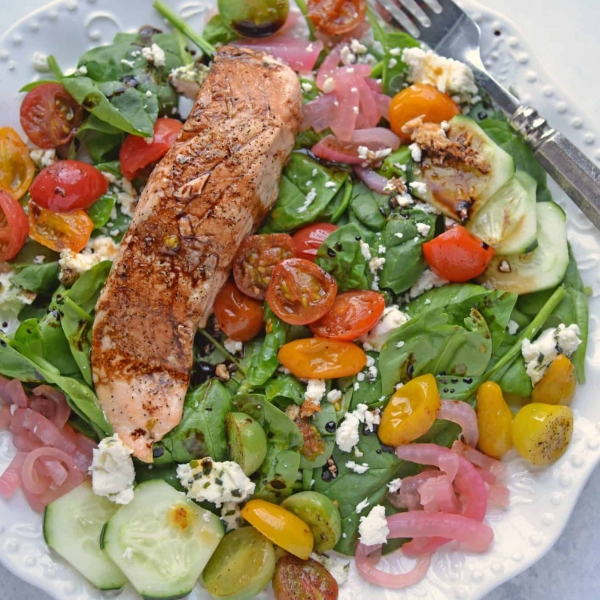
(14, 227)
(240, 317)
(310, 238)
(138, 152)
(353, 314)
(334, 17)
(297, 579)
(457, 255)
(255, 260)
(68, 185)
(50, 116)
(300, 292)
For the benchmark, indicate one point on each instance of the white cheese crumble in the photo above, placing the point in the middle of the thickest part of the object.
(334, 396)
(216, 482)
(446, 74)
(233, 346)
(12, 299)
(373, 529)
(541, 353)
(113, 474)
(306, 87)
(418, 187)
(154, 54)
(362, 505)
(231, 515)
(329, 85)
(74, 264)
(423, 229)
(357, 47)
(315, 390)
(427, 281)
(391, 319)
(39, 60)
(360, 469)
(365, 250)
(338, 568)
(347, 435)
(416, 152)
(43, 158)
(512, 327)
(125, 192)
(394, 485)
(310, 198)
(187, 79)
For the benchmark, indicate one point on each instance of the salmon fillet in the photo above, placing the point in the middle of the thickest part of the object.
(213, 188)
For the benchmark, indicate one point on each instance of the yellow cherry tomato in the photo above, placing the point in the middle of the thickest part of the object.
(494, 420)
(558, 384)
(542, 432)
(16, 167)
(321, 358)
(411, 411)
(280, 526)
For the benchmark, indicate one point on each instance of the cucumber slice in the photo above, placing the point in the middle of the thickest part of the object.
(162, 540)
(508, 221)
(456, 189)
(541, 269)
(72, 527)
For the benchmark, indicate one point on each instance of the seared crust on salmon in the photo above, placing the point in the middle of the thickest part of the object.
(214, 187)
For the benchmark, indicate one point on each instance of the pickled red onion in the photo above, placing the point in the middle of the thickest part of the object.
(494, 467)
(298, 54)
(371, 179)
(462, 414)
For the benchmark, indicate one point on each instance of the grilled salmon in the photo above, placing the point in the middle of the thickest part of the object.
(213, 188)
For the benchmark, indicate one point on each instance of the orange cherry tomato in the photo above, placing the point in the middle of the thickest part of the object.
(309, 239)
(352, 315)
(13, 227)
(50, 116)
(297, 579)
(300, 292)
(420, 100)
(137, 152)
(457, 255)
(319, 358)
(59, 231)
(334, 17)
(68, 185)
(240, 317)
(255, 260)
(16, 167)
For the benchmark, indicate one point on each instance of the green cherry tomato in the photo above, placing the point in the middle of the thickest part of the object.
(247, 441)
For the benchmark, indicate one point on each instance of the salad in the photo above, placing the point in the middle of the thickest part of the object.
(406, 313)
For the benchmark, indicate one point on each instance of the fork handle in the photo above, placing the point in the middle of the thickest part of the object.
(567, 165)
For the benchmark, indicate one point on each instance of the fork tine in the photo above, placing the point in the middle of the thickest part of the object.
(450, 9)
(427, 9)
(402, 16)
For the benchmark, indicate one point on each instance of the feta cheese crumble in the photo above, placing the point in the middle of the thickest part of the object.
(423, 229)
(339, 568)
(310, 198)
(373, 529)
(416, 152)
(362, 505)
(43, 158)
(74, 264)
(39, 60)
(12, 299)
(360, 469)
(347, 435)
(334, 396)
(394, 485)
(187, 79)
(427, 281)
(112, 471)
(216, 482)
(155, 55)
(315, 390)
(233, 346)
(231, 515)
(541, 353)
(512, 327)
(418, 187)
(391, 319)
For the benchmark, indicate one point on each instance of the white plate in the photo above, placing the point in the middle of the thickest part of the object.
(541, 500)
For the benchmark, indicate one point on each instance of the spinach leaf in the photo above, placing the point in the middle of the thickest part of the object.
(307, 187)
(515, 379)
(87, 288)
(264, 362)
(394, 69)
(397, 164)
(29, 336)
(41, 279)
(202, 430)
(283, 387)
(338, 206)
(370, 208)
(77, 327)
(217, 32)
(101, 210)
(341, 256)
(101, 139)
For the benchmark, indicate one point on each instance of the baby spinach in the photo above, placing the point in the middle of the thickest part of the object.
(77, 327)
(201, 431)
(41, 279)
(341, 256)
(101, 211)
(101, 139)
(338, 206)
(283, 387)
(29, 336)
(394, 73)
(217, 32)
(307, 188)
(370, 208)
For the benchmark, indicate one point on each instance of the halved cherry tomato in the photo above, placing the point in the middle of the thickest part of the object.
(16, 167)
(420, 100)
(68, 231)
(138, 152)
(334, 17)
(13, 227)
(297, 579)
(310, 238)
(68, 185)
(280, 526)
(457, 255)
(240, 317)
(318, 358)
(352, 315)
(50, 116)
(300, 292)
(255, 260)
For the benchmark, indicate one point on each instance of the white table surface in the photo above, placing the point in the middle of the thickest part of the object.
(564, 36)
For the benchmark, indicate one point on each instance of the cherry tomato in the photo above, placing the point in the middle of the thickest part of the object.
(318, 358)
(239, 316)
(255, 260)
(353, 314)
(334, 17)
(281, 526)
(457, 255)
(69, 231)
(310, 238)
(297, 579)
(14, 227)
(68, 185)
(16, 167)
(138, 152)
(420, 100)
(300, 292)
(50, 116)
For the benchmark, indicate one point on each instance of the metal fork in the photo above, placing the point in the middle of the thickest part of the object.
(450, 32)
